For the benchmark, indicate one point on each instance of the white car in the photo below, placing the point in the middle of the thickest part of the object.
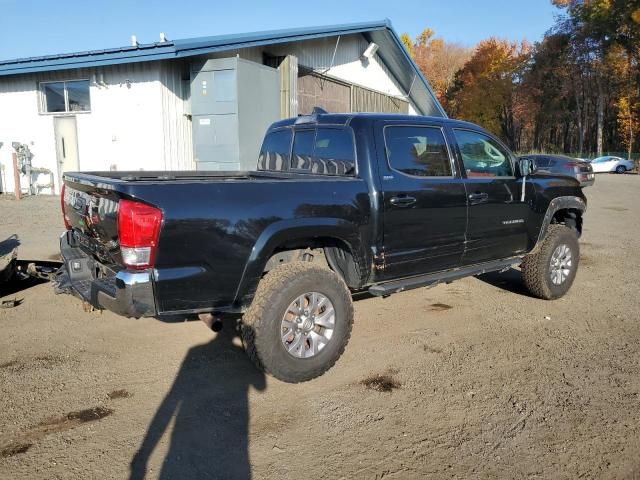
(611, 164)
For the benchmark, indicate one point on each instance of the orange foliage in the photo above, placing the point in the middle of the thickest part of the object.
(439, 61)
(484, 90)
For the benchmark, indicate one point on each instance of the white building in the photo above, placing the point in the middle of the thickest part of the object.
(141, 107)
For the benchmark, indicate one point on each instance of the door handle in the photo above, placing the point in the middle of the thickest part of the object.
(402, 201)
(478, 197)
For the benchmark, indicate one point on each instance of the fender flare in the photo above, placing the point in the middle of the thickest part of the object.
(293, 229)
(558, 203)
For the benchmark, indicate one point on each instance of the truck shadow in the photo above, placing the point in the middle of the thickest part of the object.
(16, 285)
(12, 281)
(209, 408)
(511, 281)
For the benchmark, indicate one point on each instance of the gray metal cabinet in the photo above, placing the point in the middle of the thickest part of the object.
(233, 102)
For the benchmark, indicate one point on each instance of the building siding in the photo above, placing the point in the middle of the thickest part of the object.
(121, 131)
(178, 144)
(139, 117)
(318, 55)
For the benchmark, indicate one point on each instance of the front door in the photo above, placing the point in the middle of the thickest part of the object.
(497, 212)
(425, 204)
(66, 136)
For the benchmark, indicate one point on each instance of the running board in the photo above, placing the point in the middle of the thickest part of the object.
(433, 279)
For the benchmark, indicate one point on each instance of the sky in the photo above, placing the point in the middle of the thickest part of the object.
(39, 27)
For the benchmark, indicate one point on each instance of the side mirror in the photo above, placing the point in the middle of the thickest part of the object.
(526, 166)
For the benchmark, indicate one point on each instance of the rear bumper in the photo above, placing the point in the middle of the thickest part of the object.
(586, 179)
(587, 183)
(126, 293)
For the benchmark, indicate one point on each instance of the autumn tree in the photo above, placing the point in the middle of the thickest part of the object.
(485, 89)
(437, 60)
(407, 42)
(627, 102)
(601, 32)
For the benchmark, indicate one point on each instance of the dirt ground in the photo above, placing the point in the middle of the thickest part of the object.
(469, 380)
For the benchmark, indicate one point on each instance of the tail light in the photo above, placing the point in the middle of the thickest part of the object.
(138, 230)
(64, 214)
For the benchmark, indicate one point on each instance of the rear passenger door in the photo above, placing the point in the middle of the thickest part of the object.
(425, 204)
(497, 213)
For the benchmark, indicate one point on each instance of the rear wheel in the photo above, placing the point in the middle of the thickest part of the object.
(299, 322)
(549, 272)
(621, 169)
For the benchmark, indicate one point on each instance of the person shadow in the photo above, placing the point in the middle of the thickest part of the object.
(209, 407)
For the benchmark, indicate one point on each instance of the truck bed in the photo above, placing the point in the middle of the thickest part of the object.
(122, 177)
(216, 226)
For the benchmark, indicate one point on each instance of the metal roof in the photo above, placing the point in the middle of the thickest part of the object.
(391, 52)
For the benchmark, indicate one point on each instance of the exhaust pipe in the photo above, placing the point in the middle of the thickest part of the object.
(211, 321)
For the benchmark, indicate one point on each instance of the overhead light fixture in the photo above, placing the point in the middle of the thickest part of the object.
(371, 50)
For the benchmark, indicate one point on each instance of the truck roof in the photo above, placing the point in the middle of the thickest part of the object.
(347, 118)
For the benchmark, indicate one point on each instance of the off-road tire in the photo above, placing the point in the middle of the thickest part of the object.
(536, 267)
(261, 325)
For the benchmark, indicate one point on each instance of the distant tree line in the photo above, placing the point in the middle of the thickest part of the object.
(576, 91)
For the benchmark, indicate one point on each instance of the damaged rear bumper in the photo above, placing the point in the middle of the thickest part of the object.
(124, 292)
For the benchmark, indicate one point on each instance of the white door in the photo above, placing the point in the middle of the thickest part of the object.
(66, 144)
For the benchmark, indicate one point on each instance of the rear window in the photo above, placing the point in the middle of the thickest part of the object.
(541, 162)
(325, 151)
(274, 154)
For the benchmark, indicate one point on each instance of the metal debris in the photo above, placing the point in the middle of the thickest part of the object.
(11, 303)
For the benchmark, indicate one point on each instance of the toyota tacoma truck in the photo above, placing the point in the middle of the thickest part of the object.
(339, 203)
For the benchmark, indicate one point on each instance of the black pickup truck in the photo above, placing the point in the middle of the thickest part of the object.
(340, 203)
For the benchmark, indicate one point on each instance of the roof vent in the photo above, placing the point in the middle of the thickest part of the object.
(134, 41)
(311, 118)
(163, 38)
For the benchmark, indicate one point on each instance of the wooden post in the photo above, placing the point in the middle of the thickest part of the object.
(16, 176)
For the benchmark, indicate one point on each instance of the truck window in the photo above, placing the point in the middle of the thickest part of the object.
(274, 154)
(541, 162)
(302, 149)
(418, 151)
(325, 151)
(334, 153)
(483, 156)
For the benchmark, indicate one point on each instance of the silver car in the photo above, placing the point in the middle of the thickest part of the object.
(609, 163)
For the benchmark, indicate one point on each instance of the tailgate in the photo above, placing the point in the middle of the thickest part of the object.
(92, 212)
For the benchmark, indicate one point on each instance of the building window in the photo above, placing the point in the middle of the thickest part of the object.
(65, 97)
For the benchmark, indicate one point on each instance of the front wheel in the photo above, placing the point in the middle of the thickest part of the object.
(621, 169)
(299, 322)
(549, 272)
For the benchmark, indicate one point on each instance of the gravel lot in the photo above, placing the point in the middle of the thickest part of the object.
(477, 379)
